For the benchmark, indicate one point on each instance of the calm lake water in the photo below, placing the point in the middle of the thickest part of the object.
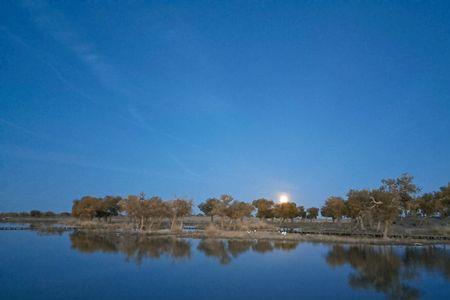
(83, 266)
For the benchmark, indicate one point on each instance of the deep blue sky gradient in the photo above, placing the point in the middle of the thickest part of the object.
(196, 99)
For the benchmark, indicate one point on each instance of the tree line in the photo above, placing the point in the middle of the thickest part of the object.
(228, 208)
(396, 197)
(369, 209)
(34, 214)
(143, 213)
(150, 213)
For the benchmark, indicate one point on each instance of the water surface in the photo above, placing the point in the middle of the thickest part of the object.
(54, 265)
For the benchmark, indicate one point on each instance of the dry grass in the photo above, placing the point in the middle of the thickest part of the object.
(264, 230)
(211, 230)
(315, 238)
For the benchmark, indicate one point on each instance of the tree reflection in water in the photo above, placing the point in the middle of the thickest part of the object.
(389, 270)
(386, 269)
(225, 250)
(135, 247)
(433, 259)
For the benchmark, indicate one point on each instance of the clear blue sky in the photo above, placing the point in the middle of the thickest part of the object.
(196, 99)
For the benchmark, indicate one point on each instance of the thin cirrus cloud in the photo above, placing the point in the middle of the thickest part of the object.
(74, 160)
(77, 161)
(46, 62)
(26, 131)
(139, 120)
(183, 166)
(53, 22)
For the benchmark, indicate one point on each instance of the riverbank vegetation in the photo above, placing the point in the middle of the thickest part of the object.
(34, 214)
(396, 202)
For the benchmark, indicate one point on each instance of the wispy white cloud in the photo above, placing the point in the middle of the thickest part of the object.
(53, 22)
(45, 61)
(183, 166)
(77, 161)
(138, 119)
(24, 130)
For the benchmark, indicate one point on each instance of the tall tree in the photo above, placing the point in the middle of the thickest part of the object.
(157, 211)
(334, 208)
(312, 213)
(110, 206)
(210, 207)
(393, 197)
(264, 208)
(285, 211)
(429, 204)
(239, 210)
(444, 197)
(223, 207)
(134, 207)
(403, 189)
(359, 206)
(301, 212)
(87, 207)
(178, 209)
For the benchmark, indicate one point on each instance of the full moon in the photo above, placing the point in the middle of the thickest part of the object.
(284, 199)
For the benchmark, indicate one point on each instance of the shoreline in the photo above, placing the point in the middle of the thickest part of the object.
(273, 236)
(50, 225)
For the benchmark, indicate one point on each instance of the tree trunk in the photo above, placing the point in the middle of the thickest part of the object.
(151, 223)
(212, 218)
(378, 225)
(370, 222)
(158, 223)
(386, 229)
(142, 224)
(174, 221)
(361, 222)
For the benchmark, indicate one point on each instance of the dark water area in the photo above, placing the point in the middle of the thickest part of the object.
(77, 265)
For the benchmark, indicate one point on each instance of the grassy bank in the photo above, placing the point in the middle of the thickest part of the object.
(265, 235)
(254, 229)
